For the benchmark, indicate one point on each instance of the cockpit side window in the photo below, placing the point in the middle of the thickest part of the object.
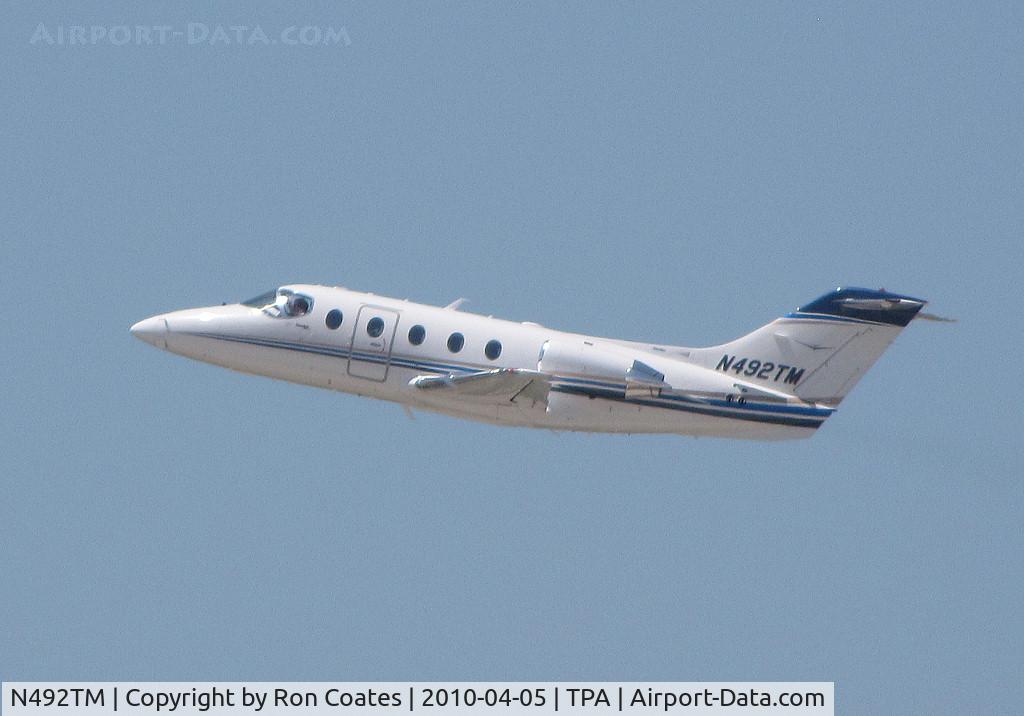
(297, 305)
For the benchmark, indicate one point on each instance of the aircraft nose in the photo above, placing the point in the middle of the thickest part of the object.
(151, 330)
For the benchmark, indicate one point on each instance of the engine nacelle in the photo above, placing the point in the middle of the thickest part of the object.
(582, 359)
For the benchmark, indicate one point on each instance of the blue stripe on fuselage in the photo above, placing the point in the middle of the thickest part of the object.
(791, 415)
(690, 407)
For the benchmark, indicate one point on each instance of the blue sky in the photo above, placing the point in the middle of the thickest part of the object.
(679, 173)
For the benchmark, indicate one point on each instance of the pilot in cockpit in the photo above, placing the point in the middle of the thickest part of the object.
(281, 303)
(297, 306)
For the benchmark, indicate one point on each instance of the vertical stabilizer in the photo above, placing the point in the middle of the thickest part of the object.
(818, 352)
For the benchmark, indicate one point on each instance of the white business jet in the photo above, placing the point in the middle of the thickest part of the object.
(781, 381)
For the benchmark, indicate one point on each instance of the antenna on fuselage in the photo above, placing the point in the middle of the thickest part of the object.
(932, 317)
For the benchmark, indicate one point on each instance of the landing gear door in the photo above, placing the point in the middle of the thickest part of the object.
(373, 335)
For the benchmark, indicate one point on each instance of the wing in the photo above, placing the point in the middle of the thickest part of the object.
(500, 385)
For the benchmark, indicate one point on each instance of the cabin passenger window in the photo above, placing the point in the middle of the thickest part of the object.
(492, 350)
(333, 319)
(455, 342)
(416, 334)
(375, 326)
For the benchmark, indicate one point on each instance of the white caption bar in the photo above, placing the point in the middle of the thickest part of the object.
(180, 698)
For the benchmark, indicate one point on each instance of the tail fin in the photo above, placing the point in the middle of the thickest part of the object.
(820, 351)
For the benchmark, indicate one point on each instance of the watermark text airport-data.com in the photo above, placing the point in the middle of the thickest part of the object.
(196, 34)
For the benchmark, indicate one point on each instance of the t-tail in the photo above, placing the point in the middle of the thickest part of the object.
(818, 352)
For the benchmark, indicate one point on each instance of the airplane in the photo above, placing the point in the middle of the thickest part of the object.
(782, 381)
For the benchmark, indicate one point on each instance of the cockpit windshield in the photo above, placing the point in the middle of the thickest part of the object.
(282, 303)
(264, 299)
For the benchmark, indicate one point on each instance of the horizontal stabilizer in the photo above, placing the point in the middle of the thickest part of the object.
(864, 304)
(881, 304)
